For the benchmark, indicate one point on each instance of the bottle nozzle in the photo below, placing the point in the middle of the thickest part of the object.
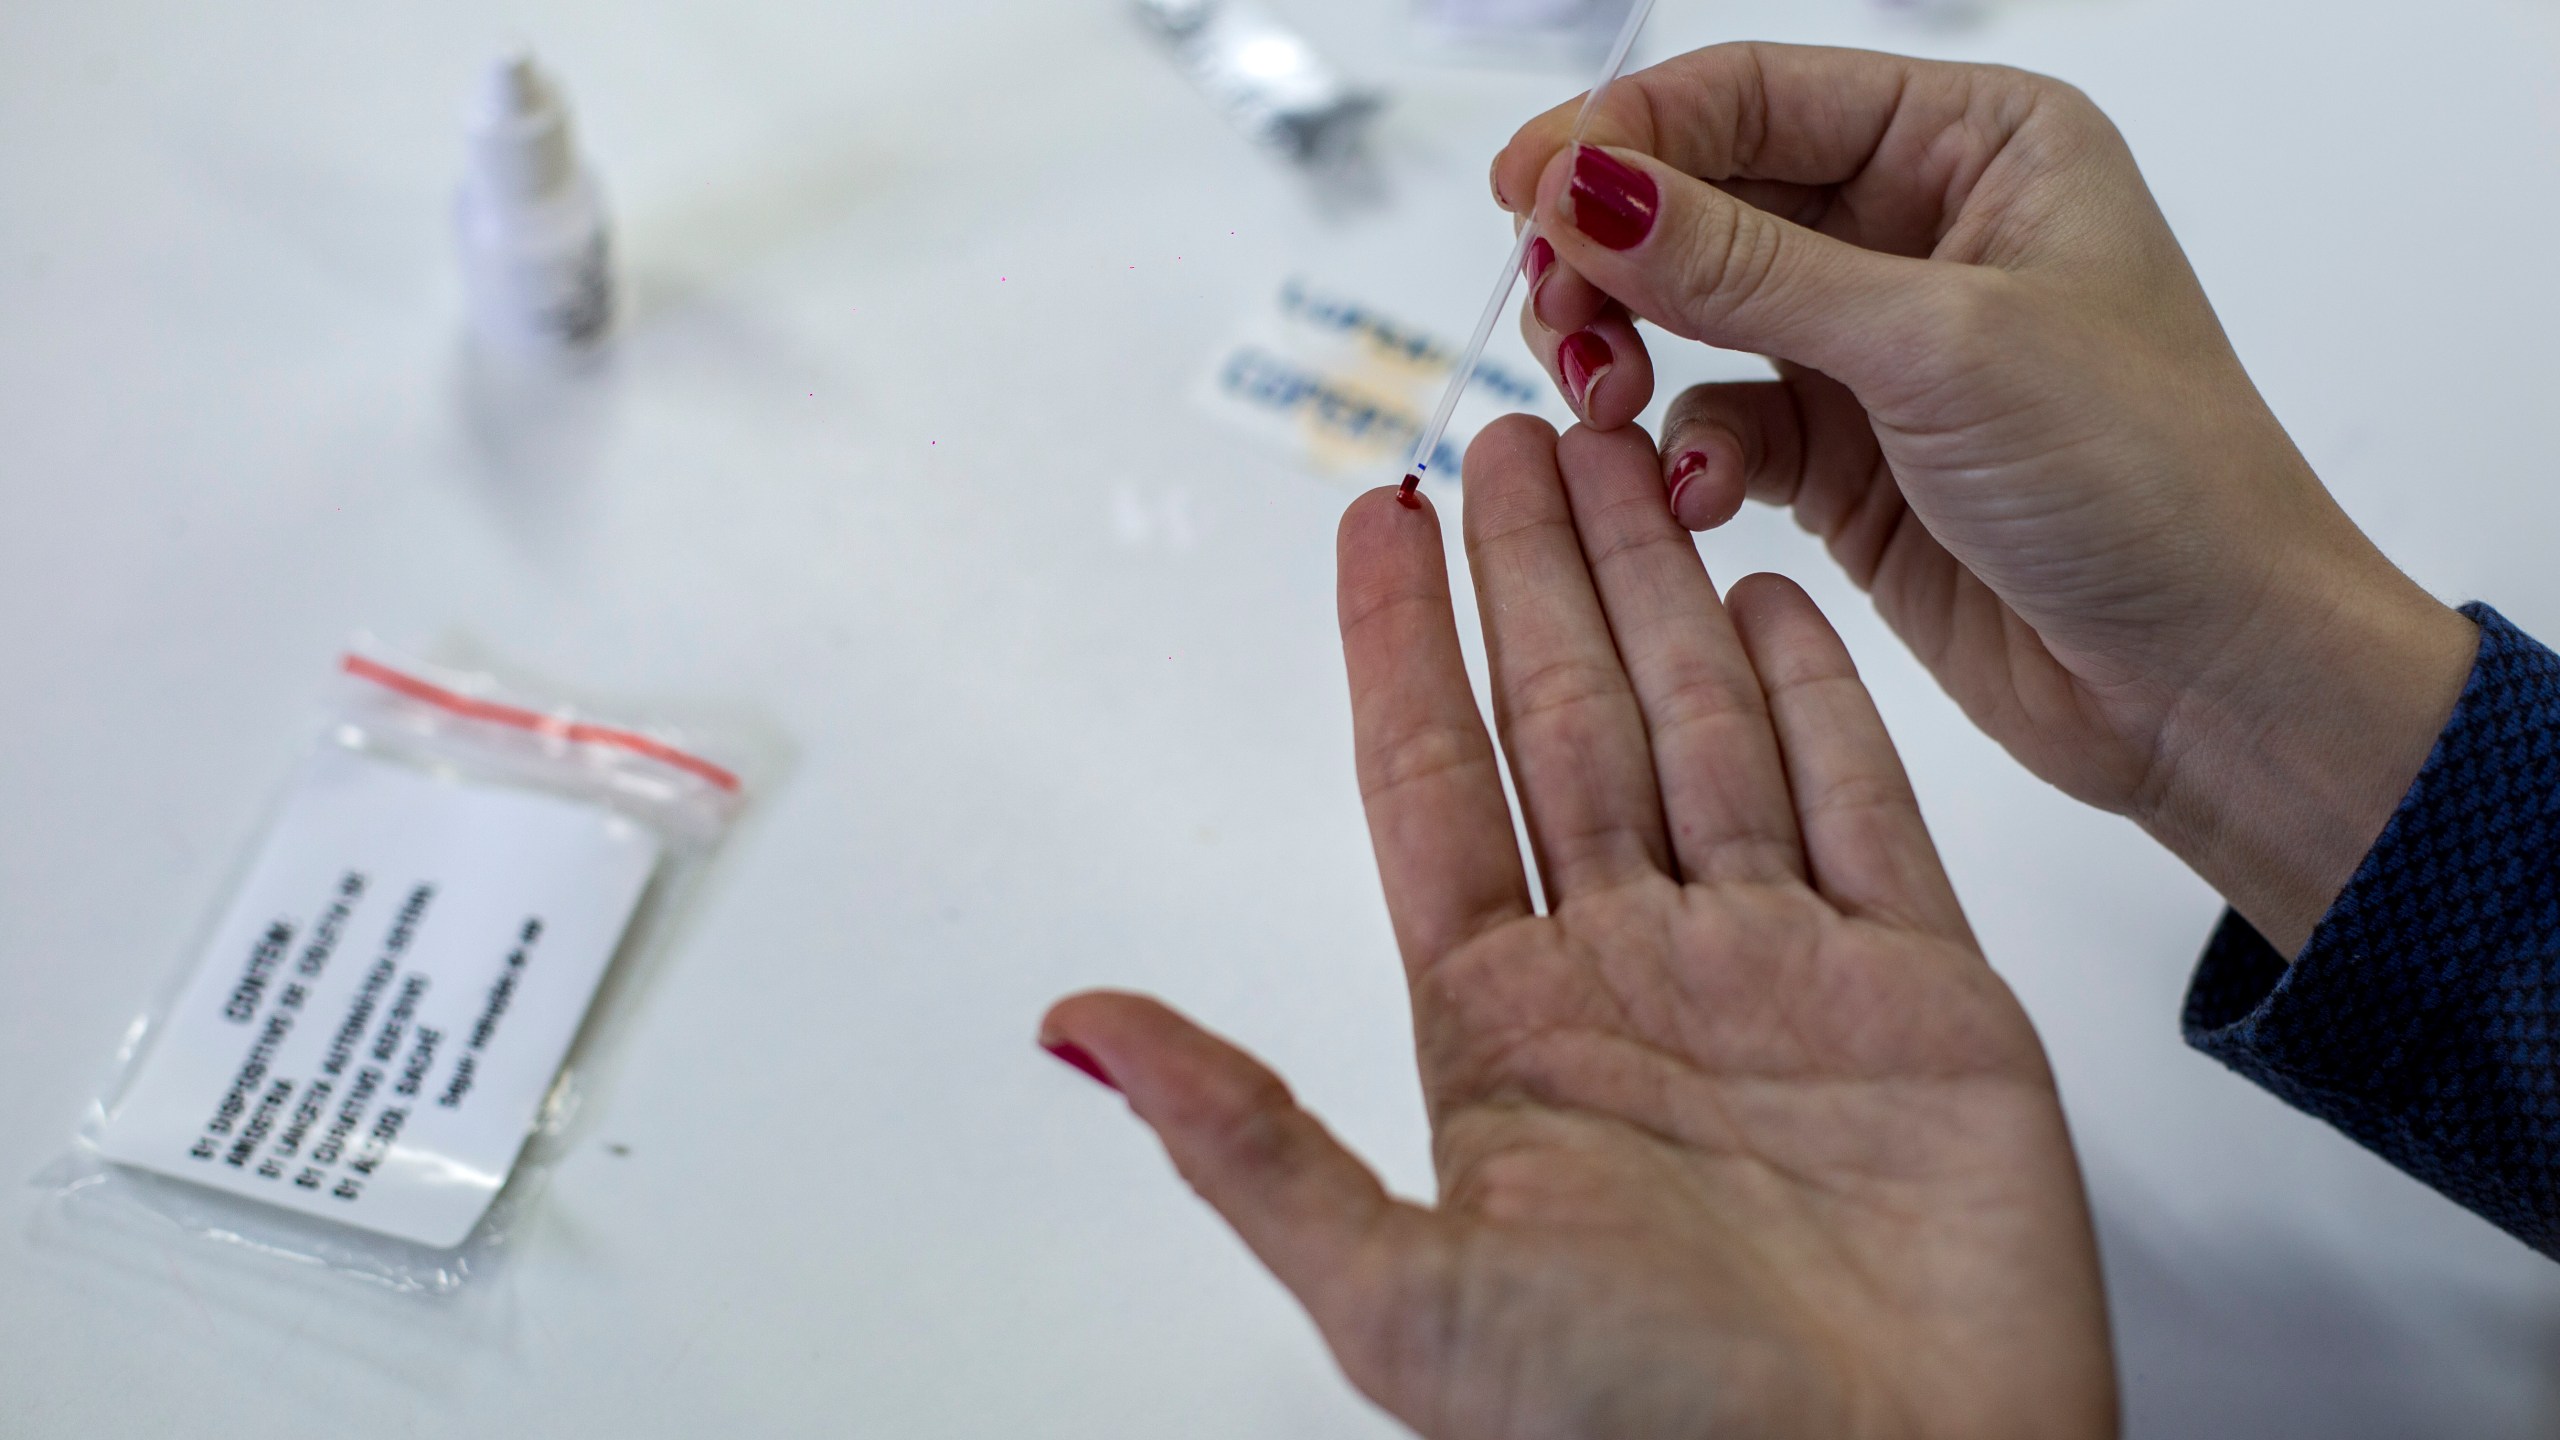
(514, 89)
(521, 132)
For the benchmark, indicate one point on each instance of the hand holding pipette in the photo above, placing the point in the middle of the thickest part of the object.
(1428, 442)
(2005, 406)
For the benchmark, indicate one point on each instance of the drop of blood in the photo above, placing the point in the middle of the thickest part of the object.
(1404, 493)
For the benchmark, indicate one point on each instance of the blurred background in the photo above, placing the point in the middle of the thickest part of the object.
(907, 448)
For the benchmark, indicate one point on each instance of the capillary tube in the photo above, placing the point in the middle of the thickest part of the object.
(1429, 441)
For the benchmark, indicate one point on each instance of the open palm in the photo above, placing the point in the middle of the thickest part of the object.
(1741, 1136)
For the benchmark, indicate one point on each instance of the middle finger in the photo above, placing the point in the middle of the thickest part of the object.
(1562, 703)
(1724, 786)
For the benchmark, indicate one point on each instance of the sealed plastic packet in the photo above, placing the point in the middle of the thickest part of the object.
(1266, 77)
(370, 1059)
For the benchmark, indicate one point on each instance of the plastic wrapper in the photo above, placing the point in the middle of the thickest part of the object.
(1266, 77)
(375, 1053)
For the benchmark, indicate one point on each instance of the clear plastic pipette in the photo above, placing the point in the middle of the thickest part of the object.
(1429, 442)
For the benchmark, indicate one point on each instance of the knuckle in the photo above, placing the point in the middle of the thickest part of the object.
(1722, 416)
(1558, 689)
(1689, 409)
(1368, 597)
(1730, 255)
(2057, 123)
(1512, 519)
(1707, 252)
(1245, 1122)
(2007, 95)
(1630, 531)
(1861, 794)
(1800, 684)
(1420, 757)
(1704, 701)
(2068, 103)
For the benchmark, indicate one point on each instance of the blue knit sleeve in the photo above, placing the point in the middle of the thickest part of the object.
(2423, 1018)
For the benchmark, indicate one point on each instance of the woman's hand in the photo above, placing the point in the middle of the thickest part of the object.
(2005, 405)
(1742, 1136)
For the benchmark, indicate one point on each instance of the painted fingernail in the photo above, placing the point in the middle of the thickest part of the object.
(1613, 201)
(1583, 357)
(1081, 1058)
(1690, 465)
(1542, 258)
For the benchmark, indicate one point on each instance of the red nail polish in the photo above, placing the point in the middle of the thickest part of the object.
(1613, 201)
(1540, 260)
(1081, 1058)
(1583, 357)
(1690, 465)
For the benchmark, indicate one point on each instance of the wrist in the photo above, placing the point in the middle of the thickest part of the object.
(2280, 768)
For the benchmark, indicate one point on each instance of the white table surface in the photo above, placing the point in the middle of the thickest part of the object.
(894, 459)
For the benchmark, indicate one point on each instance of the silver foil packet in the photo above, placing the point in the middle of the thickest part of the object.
(1264, 75)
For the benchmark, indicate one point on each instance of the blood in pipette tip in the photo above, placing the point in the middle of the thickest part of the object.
(1404, 493)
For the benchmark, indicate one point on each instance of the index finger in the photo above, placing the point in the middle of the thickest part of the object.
(1447, 853)
(1802, 116)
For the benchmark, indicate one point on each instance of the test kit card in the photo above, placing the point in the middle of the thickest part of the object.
(1346, 386)
(373, 1027)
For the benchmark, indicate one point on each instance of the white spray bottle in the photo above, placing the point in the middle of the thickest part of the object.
(537, 262)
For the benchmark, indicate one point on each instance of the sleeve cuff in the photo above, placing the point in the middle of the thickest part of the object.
(2423, 1016)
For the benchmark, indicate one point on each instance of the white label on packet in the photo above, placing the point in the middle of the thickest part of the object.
(1349, 386)
(372, 1029)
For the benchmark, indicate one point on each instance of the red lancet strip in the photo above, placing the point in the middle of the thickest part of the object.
(575, 732)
